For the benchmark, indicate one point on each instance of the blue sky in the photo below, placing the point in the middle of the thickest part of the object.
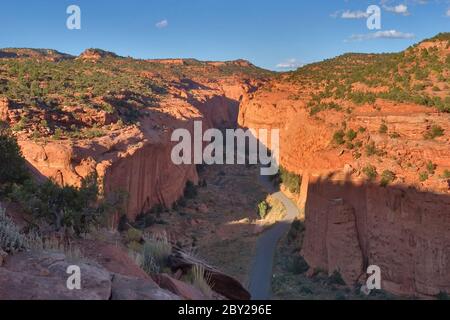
(271, 34)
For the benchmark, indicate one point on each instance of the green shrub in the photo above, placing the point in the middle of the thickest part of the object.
(66, 206)
(21, 125)
(336, 279)
(387, 177)
(145, 220)
(297, 264)
(338, 137)
(371, 149)
(290, 180)
(13, 166)
(190, 190)
(446, 174)
(371, 172)
(434, 132)
(431, 167)
(383, 129)
(423, 176)
(296, 230)
(134, 235)
(11, 239)
(351, 135)
(263, 209)
(155, 254)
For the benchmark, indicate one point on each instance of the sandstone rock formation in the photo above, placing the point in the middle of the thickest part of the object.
(123, 135)
(402, 223)
(42, 276)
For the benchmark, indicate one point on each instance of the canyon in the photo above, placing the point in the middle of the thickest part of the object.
(364, 199)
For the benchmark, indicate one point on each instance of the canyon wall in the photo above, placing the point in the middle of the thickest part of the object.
(136, 160)
(351, 222)
(403, 231)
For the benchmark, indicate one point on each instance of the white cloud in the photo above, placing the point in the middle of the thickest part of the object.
(289, 64)
(448, 13)
(389, 34)
(162, 24)
(399, 9)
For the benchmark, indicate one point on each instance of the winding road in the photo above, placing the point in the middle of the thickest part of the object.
(262, 270)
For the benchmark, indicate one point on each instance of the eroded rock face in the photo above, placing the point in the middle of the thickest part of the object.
(136, 160)
(404, 232)
(352, 223)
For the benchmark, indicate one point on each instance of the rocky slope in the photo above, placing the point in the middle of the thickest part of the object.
(370, 135)
(114, 116)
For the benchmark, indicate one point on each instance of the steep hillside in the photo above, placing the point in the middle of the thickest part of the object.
(370, 135)
(114, 116)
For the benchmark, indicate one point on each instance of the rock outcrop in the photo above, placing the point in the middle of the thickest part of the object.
(378, 192)
(128, 143)
(43, 276)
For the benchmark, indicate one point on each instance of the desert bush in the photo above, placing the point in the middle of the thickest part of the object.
(336, 279)
(423, 176)
(190, 190)
(446, 174)
(263, 209)
(383, 128)
(371, 149)
(371, 172)
(13, 168)
(338, 137)
(134, 235)
(296, 230)
(202, 280)
(351, 135)
(11, 239)
(145, 220)
(155, 254)
(434, 132)
(357, 155)
(431, 167)
(290, 180)
(387, 177)
(65, 206)
(297, 264)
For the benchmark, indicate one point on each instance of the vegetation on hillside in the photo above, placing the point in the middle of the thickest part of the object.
(68, 207)
(418, 75)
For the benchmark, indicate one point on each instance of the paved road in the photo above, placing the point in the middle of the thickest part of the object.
(262, 270)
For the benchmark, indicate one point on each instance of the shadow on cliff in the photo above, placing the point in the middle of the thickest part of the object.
(403, 230)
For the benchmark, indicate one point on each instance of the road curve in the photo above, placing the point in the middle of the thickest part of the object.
(262, 269)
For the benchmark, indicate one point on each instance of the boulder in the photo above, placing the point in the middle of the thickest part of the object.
(179, 288)
(30, 276)
(42, 276)
(128, 288)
